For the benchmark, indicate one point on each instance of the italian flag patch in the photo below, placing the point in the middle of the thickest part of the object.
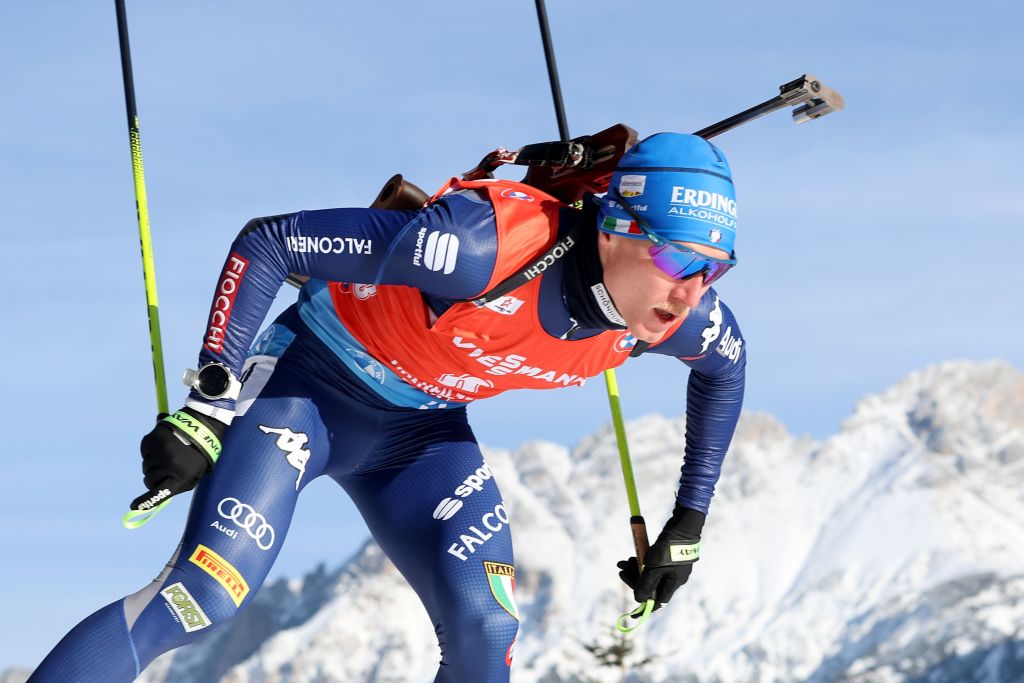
(619, 225)
(502, 579)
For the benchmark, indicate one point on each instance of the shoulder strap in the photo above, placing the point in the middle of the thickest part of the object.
(541, 263)
(558, 251)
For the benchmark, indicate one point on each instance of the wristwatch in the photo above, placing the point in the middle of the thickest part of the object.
(213, 381)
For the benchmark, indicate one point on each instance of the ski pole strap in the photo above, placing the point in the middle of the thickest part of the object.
(133, 519)
(640, 614)
(198, 433)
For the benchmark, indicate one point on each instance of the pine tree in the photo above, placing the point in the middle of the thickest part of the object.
(617, 653)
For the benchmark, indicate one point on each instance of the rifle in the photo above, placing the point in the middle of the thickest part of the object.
(567, 170)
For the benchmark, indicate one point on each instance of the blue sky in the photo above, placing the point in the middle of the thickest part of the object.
(872, 243)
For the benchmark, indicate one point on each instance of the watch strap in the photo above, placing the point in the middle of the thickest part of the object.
(198, 405)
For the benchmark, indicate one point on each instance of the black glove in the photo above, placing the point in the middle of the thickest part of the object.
(181, 449)
(669, 561)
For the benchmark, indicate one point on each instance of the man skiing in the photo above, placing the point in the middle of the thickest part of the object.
(408, 317)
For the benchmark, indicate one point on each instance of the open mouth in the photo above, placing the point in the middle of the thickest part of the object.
(665, 316)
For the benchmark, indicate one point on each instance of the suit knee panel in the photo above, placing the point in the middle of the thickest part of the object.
(480, 648)
(471, 636)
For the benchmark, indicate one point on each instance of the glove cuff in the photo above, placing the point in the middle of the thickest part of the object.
(685, 524)
(196, 430)
(679, 541)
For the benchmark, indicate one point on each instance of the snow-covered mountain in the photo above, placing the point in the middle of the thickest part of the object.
(892, 551)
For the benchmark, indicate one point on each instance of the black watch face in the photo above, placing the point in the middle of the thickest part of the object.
(213, 380)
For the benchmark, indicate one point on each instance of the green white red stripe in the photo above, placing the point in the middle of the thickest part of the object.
(619, 225)
(502, 579)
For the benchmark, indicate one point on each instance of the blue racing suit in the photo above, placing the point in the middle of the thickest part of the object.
(314, 403)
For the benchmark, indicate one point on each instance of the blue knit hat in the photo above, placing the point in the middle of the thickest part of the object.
(681, 185)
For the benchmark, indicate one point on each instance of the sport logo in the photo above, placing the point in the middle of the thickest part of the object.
(625, 342)
(367, 364)
(604, 300)
(689, 552)
(439, 253)
(154, 499)
(502, 579)
(515, 364)
(730, 346)
(701, 205)
(222, 572)
(712, 331)
(550, 258)
(494, 522)
(246, 518)
(516, 194)
(447, 508)
(632, 185)
(292, 444)
(464, 382)
(363, 292)
(187, 423)
(234, 271)
(358, 290)
(329, 245)
(506, 305)
(190, 615)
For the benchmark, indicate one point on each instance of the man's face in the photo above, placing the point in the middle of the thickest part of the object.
(649, 300)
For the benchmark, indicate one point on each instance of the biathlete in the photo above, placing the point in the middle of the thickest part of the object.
(409, 316)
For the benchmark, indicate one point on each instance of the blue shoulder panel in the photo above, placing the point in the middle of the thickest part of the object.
(447, 249)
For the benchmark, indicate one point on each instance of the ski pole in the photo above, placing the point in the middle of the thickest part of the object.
(636, 520)
(134, 518)
(641, 543)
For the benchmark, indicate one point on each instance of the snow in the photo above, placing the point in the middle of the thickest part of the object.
(894, 550)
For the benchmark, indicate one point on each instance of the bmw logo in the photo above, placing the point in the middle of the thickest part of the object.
(625, 342)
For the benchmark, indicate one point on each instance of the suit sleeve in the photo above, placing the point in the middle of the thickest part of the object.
(447, 249)
(711, 344)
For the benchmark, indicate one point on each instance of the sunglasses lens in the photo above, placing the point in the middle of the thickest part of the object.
(715, 271)
(676, 263)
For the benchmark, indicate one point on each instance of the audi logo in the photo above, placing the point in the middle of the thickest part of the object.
(245, 517)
